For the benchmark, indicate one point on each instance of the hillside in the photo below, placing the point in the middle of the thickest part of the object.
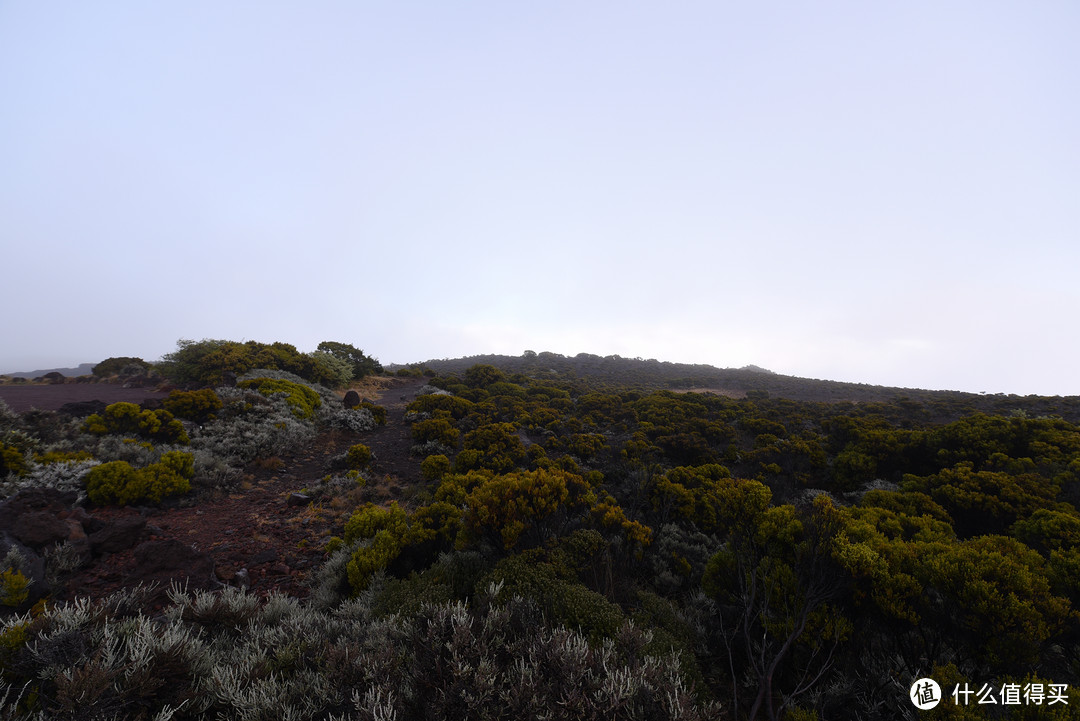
(504, 538)
(649, 375)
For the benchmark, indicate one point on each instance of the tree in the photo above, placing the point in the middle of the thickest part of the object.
(361, 364)
(776, 583)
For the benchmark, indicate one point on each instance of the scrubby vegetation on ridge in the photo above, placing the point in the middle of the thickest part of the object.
(591, 550)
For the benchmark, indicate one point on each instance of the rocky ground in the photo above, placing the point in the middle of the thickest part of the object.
(260, 534)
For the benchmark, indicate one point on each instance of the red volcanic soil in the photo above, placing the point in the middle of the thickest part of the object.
(254, 526)
(50, 397)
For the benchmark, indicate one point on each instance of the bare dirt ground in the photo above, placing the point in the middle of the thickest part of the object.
(253, 526)
(50, 397)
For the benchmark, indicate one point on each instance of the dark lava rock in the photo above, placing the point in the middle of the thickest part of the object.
(38, 529)
(119, 536)
(81, 409)
(352, 399)
(170, 560)
(299, 499)
(31, 565)
(263, 557)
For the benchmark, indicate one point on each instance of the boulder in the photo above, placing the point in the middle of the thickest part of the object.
(352, 399)
(34, 499)
(169, 560)
(78, 540)
(38, 529)
(264, 556)
(27, 562)
(298, 499)
(81, 409)
(118, 536)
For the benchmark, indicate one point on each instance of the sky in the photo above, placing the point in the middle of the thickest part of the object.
(884, 193)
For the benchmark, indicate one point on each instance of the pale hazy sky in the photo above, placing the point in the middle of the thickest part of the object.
(876, 192)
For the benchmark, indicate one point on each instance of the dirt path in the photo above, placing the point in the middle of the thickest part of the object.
(392, 442)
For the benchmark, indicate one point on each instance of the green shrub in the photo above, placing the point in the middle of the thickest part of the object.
(439, 430)
(14, 588)
(205, 362)
(530, 575)
(458, 408)
(358, 457)
(11, 461)
(377, 412)
(199, 406)
(499, 444)
(113, 366)
(302, 400)
(360, 364)
(129, 419)
(435, 467)
(62, 457)
(117, 482)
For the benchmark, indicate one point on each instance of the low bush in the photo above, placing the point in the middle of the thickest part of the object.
(302, 400)
(434, 467)
(199, 406)
(358, 457)
(377, 412)
(11, 461)
(129, 419)
(117, 482)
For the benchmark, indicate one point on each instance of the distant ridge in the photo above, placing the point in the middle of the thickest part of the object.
(84, 369)
(751, 381)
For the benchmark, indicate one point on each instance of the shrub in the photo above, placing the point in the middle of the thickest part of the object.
(14, 588)
(358, 457)
(439, 430)
(360, 364)
(199, 406)
(130, 419)
(434, 467)
(377, 412)
(205, 362)
(302, 400)
(113, 366)
(458, 408)
(499, 444)
(11, 461)
(117, 482)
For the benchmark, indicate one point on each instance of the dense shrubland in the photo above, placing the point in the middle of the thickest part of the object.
(601, 551)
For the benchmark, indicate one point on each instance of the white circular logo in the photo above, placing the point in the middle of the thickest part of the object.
(925, 694)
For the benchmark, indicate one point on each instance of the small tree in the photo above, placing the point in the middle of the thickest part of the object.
(361, 364)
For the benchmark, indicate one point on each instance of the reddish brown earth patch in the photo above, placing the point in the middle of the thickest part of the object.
(50, 397)
(253, 526)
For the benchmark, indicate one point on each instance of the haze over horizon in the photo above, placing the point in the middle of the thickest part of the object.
(872, 194)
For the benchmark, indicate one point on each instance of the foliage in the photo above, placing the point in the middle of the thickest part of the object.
(434, 467)
(199, 406)
(301, 399)
(129, 419)
(13, 588)
(113, 366)
(205, 362)
(358, 457)
(492, 659)
(11, 461)
(117, 482)
(529, 504)
(378, 413)
(499, 446)
(360, 364)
